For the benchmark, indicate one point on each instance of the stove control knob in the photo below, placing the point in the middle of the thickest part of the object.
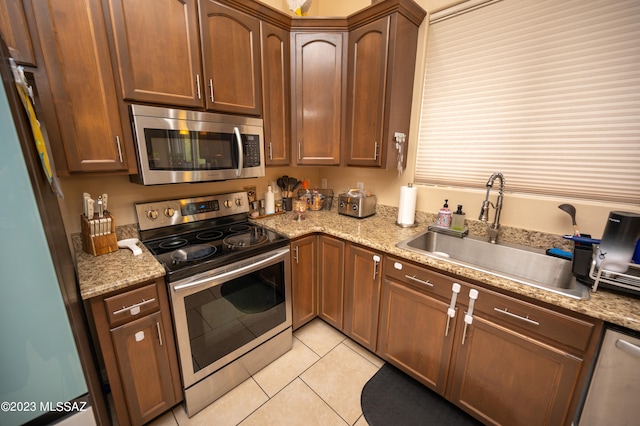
(152, 214)
(238, 202)
(228, 203)
(169, 212)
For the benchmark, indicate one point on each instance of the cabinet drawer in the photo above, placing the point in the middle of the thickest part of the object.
(535, 321)
(419, 277)
(132, 304)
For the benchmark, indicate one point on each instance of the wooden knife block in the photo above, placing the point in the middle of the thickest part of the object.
(98, 244)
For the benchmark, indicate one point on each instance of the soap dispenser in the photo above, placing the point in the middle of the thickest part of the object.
(457, 219)
(269, 201)
(444, 215)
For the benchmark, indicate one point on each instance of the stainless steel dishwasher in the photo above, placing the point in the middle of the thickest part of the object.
(612, 398)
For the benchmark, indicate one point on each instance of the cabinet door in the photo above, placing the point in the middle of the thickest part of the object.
(368, 46)
(318, 98)
(141, 352)
(413, 333)
(13, 24)
(157, 50)
(276, 96)
(231, 56)
(304, 279)
(331, 253)
(76, 55)
(503, 377)
(362, 295)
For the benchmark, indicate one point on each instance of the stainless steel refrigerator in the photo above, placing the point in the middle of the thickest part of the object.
(47, 368)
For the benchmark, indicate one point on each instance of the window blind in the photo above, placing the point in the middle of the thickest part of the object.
(546, 92)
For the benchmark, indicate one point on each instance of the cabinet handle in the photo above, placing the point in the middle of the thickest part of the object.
(451, 312)
(376, 262)
(418, 280)
(134, 309)
(198, 86)
(512, 315)
(159, 333)
(468, 318)
(375, 151)
(119, 148)
(299, 151)
(628, 347)
(211, 89)
(270, 151)
(295, 254)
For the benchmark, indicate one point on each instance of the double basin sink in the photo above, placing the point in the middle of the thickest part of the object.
(522, 264)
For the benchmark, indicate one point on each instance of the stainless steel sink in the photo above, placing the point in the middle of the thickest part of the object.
(518, 263)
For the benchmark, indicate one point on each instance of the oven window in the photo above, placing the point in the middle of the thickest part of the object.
(224, 318)
(183, 150)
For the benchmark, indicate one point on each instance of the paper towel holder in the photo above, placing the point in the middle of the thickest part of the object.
(408, 225)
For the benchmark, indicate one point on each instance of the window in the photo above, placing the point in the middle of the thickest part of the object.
(546, 92)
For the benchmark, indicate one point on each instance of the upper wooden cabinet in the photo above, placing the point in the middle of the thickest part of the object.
(76, 56)
(188, 53)
(319, 94)
(13, 24)
(231, 52)
(381, 65)
(158, 52)
(276, 94)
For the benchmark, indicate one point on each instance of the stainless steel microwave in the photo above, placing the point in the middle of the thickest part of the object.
(178, 146)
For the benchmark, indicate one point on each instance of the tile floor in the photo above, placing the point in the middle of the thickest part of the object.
(318, 382)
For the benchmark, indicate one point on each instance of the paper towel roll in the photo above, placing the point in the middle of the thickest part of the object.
(407, 205)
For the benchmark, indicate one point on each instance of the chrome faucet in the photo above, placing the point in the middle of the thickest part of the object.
(484, 212)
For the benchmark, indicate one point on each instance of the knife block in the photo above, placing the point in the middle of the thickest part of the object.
(98, 244)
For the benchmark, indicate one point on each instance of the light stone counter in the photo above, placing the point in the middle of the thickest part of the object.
(380, 232)
(98, 275)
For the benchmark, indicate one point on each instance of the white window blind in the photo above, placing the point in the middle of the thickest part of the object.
(546, 92)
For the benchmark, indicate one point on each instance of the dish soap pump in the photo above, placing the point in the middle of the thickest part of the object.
(269, 201)
(444, 215)
(457, 219)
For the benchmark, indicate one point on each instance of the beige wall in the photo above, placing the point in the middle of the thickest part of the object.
(531, 212)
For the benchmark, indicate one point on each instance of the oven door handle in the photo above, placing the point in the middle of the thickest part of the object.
(228, 273)
(240, 153)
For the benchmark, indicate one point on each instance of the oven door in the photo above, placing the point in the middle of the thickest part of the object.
(225, 313)
(176, 146)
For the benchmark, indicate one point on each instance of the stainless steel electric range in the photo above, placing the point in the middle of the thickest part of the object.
(229, 283)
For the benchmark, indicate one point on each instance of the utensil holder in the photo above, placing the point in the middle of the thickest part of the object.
(98, 243)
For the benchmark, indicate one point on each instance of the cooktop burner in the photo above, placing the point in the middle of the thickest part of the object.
(196, 242)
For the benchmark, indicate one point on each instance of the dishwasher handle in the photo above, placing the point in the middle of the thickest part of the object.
(628, 348)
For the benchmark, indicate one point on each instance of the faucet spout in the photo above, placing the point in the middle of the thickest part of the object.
(484, 211)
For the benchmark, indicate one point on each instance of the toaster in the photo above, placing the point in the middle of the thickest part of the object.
(356, 204)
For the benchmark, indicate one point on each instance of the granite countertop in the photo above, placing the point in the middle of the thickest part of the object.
(380, 232)
(98, 275)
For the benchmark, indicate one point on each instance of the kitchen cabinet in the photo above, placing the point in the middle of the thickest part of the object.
(363, 276)
(381, 64)
(231, 58)
(80, 74)
(183, 53)
(304, 278)
(319, 96)
(157, 50)
(13, 24)
(512, 362)
(331, 255)
(135, 335)
(276, 94)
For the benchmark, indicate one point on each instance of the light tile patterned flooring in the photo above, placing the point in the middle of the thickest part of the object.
(318, 382)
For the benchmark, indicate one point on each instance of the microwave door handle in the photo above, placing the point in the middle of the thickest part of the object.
(240, 153)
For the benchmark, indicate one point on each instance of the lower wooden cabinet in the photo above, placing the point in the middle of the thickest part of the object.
(331, 253)
(134, 331)
(363, 275)
(510, 362)
(304, 278)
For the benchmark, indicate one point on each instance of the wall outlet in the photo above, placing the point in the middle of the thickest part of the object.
(360, 185)
(323, 185)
